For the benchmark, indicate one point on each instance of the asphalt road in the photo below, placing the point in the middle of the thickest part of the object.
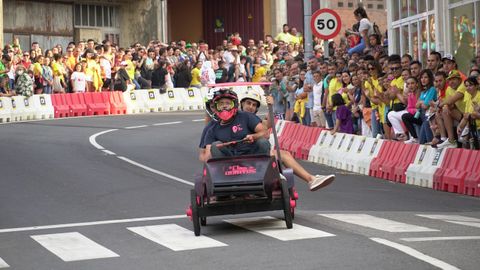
(111, 192)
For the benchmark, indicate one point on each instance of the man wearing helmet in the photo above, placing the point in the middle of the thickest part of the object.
(234, 125)
(250, 103)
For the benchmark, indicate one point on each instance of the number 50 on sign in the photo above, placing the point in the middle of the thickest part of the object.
(325, 23)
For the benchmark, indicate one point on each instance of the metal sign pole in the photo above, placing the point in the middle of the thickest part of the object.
(307, 40)
(326, 51)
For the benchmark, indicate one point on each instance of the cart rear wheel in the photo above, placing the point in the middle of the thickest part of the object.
(195, 218)
(286, 204)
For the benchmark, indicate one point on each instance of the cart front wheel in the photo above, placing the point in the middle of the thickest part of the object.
(195, 218)
(286, 204)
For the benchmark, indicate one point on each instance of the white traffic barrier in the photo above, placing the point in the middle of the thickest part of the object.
(135, 103)
(313, 154)
(321, 151)
(173, 100)
(153, 101)
(337, 156)
(368, 152)
(5, 110)
(43, 106)
(353, 155)
(427, 161)
(192, 98)
(19, 112)
(278, 127)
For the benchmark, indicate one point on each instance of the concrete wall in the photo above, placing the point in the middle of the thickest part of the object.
(139, 21)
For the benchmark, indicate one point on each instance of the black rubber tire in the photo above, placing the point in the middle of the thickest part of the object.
(195, 218)
(286, 204)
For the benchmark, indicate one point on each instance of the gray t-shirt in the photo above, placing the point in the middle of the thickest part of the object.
(365, 24)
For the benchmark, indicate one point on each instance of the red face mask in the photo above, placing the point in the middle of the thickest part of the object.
(227, 115)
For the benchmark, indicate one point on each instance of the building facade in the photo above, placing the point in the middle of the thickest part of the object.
(418, 27)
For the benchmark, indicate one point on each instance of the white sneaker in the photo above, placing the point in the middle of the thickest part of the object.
(411, 141)
(447, 144)
(321, 181)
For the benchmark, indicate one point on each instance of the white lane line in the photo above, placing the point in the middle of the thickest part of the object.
(3, 264)
(73, 246)
(108, 152)
(92, 223)
(455, 219)
(156, 171)
(167, 123)
(198, 120)
(93, 138)
(445, 238)
(135, 127)
(175, 237)
(416, 254)
(277, 229)
(378, 223)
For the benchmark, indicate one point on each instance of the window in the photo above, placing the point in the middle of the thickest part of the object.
(380, 7)
(462, 29)
(370, 6)
(96, 16)
(340, 4)
(350, 4)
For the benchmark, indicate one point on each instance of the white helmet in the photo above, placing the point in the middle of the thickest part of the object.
(253, 95)
(208, 103)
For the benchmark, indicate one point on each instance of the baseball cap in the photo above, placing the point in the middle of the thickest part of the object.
(454, 74)
(448, 56)
(189, 45)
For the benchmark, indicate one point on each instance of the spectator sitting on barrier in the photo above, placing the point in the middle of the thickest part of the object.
(122, 80)
(472, 102)
(4, 88)
(343, 122)
(251, 103)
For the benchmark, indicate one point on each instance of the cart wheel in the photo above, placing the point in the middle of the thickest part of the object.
(286, 204)
(292, 210)
(195, 218)
(203, 221)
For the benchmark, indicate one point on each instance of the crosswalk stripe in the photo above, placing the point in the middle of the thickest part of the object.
(3, 264)
(456, 219)
(276, 228)
(73, 246)
(175, 237)
(378, 223)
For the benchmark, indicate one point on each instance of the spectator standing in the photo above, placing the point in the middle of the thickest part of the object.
(122, 79)
(183, 77)
(221, 74)
(196, 78)
(78, 79)
(23, 82)
(279, 92)
(285, 35)
(47, 76)
(318, 118)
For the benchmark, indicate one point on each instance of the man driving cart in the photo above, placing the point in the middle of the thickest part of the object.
(244, 129)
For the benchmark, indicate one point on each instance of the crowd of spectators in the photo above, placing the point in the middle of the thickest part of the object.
(359, 89)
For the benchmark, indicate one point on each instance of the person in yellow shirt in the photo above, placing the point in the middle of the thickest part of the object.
(373, 88)
(59, 73)
(284, 36)
(260, 71)
(331, 89)
(395, 88)
(196, 79)
(453, 107)
(472, 106)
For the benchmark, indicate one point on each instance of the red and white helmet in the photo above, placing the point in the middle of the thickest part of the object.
(225, 115)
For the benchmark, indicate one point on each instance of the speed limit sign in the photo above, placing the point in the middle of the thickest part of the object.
(325, 23)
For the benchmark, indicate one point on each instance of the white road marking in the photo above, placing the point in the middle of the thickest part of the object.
(135, 127)
(92, 223)
(277, 229)
(156, 171)
(198, 120)
(416, 254)
(167, 123)
(378, 223)
(455, 219)
(73, 246)
(108, 152)
(3, 264)
(175, 237)
(93, 138)
(445, 238)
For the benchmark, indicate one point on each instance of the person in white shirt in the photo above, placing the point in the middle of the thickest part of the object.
(78, 79)
(364, 31)
(318, 116)
(106, 67)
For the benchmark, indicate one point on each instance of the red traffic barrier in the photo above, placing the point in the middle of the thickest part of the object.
(386, 153)
(96, 104)
(445, 176)
(117, 104)
(77, 104)
(60, 106)
(472, 179)
(407, 157)
(305, 148)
